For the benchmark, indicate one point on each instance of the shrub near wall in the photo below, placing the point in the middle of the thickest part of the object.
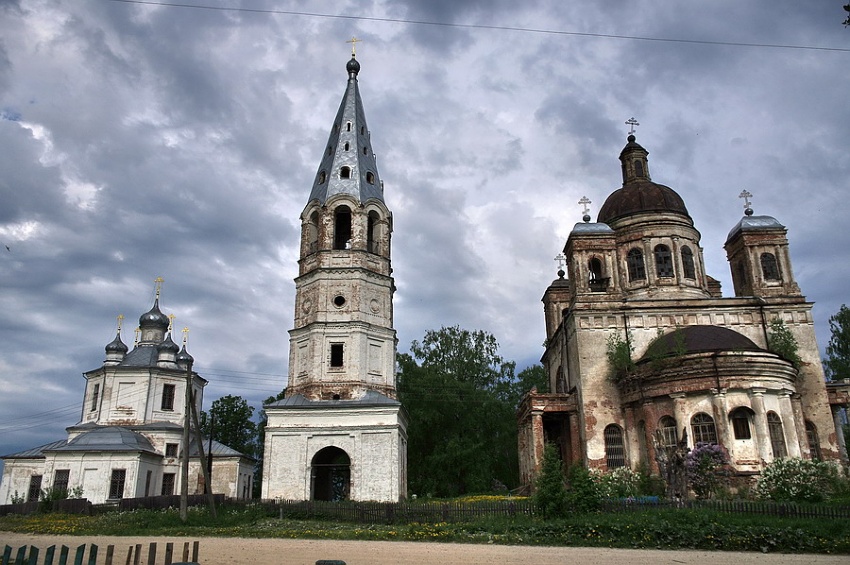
(797, 480)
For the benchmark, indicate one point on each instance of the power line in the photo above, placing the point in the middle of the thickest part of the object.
(484, 26)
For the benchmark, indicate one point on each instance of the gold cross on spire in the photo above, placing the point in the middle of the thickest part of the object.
(158, 282)
(138, 332)
(170, 321)
(185, 335)
(632, 122)
(353, 41)
(120, 321)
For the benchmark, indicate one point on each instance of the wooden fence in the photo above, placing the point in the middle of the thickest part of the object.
(29, 555)
(764, 507)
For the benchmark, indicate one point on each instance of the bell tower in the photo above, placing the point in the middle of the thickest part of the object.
(340, 431)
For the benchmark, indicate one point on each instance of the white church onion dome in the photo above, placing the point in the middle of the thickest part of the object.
(639, 194)
(184, 358)
(750, 223)
(116, 346)
(697, 339)
(168, 345)
(154, 318)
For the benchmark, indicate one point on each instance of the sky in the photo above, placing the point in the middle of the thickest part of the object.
(142, 140)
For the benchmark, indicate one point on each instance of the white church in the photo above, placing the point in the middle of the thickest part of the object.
(128, 441)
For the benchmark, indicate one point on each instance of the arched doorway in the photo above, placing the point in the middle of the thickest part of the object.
(330, 475)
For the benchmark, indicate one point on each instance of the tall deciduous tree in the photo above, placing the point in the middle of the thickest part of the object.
(837, 363)
(229, 422)
(462, 435)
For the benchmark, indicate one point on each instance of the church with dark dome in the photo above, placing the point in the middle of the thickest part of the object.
(644, 354)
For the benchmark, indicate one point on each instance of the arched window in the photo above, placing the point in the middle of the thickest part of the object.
(777, 436)
(342, 228)
(634, 262)
(365, 150)
(560, 382)
(370, 177)
(330, 149)
(313, 233)
(372, 233)
(322, 177)
(702, 426)
(769, 267)
(741, 422)
(348, 126)
(688, 263)
(663, 261)
(345, 172)
(362, 130)
(330, 475)
(345, 147)
(594, 267)
(638, 168)
(667, 431)
(615, 452)
(814, 441)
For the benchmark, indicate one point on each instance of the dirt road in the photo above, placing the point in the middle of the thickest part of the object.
(241, 551)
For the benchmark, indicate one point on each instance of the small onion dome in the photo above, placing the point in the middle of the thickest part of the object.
(184, 357)
(353, 66)
(154, 318)
(117, 346)
(168, 345)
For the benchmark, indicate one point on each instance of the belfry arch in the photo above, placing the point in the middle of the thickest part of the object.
(330, 475)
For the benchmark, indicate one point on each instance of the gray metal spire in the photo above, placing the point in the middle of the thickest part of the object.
(348, 165)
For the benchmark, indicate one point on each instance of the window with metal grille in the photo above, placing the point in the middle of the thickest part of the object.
(667, 428)
(814, 441)
(116, 483)
(777, 436)
(688, 268)
(167, 397)
(94, 396)
(663, 261)
(615, 453)
(702, 426)
(167, 484)
(171, 450)
(35, 488)
(60, 481)
(634, 262)
(769, 267)
(741, 423)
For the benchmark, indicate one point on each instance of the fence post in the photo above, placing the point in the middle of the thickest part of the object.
(78, 556)
(33, 560)
(93, 555)
(110, 551)
(151, 553)
(195, 551)
(48, 555)
(169, 552)
(63, 554)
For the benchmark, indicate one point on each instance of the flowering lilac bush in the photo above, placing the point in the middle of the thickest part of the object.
(707, 467)
(619, 483)
(797, 480)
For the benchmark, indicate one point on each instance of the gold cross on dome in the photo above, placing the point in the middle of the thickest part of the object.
(585, 201)
(185, 336)
(120, 321)
(158, 282)
(353, 41)
(632, 122)
(746, 195)
(170, 321)
(138, 332)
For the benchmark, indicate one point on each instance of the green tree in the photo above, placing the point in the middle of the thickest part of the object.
(837, 363)
(531, 377)
(550, 492)
(781, 341)
(229, 422)
(462, 435)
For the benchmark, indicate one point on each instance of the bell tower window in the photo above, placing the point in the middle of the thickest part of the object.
(345, 173)
(638, 168)
(770, 267)
(342, 228)
(688, 263)
(663, 261)
(336, 355)
(634, 262)
(372, 233)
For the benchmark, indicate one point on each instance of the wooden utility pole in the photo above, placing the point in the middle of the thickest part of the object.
(207, 476)
(184, 485)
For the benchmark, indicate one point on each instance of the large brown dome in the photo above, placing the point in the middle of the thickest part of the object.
(639, 196)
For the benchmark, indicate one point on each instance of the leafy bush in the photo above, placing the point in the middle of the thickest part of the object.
(619, 483)
(582, 492)
(550, 493)
(619, 352)
(707, 467)
(797, 480)
(781, 341)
